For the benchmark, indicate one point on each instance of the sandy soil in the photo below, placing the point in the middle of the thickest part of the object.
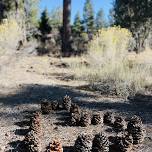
(26, 80)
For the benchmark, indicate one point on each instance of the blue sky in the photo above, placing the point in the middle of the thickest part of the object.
(77, 5)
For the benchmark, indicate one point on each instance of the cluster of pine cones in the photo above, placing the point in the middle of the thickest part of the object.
(85, 143)
(47, 107)
(122, 143)
(83, 118)
(32, 138)
(78, 117)
(136, 130)
(118, 123)
(128, 135)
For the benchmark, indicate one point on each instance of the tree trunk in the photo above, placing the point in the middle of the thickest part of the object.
(17, 8)
(66, 33)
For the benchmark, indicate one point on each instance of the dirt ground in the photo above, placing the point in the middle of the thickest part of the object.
(26, 80)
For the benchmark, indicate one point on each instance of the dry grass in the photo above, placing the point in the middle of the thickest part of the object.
(10, 34)
(112, 66)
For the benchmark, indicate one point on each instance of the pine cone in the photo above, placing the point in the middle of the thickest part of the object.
(119, 124)
(67, 103)
(75, 119)
(138, 134)
(55, 146)
(85, 119)
(55, 105)
(75, 108)
(135, 121)
(108, 118)
(46, 107)
(135, 128)
(32, 142)
(100, 143)
(35, 123)
(123, 143)
(83, 143)
(96, 118)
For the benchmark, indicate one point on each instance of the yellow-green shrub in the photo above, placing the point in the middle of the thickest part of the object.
(110, 43)
(10, 33)
(110, 64)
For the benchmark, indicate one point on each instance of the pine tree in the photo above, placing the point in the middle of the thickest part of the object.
(13, 9)
(88, 14)
(100, 21)
(135, 15)
(56, 17)
(44, 25)
(31, 12)
(77, 25)
(111, 19)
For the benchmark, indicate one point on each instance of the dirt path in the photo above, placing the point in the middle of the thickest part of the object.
(26, 80)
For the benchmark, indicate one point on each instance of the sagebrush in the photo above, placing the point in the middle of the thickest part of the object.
(110, 67)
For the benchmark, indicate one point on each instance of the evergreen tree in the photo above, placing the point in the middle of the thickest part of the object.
(31, 12)
(77, 25)
(44, 25)
(88, 15)
(136, 15)
(100, 21)
(56, 17)
(111, 18)
(9, 8)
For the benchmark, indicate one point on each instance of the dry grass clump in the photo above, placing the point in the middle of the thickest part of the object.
(10, 34)
(110, 68)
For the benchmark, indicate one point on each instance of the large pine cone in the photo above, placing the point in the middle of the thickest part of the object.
(35, 123)
(67, 103)
(75, 108)
(32, 142)
(123, 143)
(75, 119)
(96, 118)
(55, 146)
(100, 143)
(135, 121)
(46, 107)
(135, 128)
(83, 143)
(119, 124)
(85, 119)
(138, 134)
(108, 118)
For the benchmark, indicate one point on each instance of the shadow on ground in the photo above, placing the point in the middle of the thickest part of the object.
(34, 94)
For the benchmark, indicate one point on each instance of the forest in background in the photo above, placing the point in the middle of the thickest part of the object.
(132, 15)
